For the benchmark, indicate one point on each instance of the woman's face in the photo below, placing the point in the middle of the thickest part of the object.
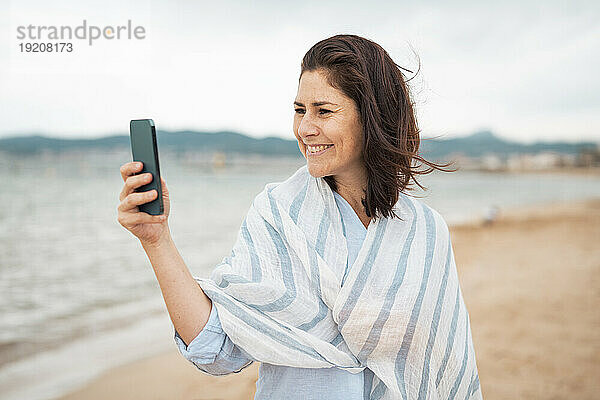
(325, 116)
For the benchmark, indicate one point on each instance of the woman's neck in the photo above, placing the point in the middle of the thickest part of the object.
(352, 185)
(354, 199)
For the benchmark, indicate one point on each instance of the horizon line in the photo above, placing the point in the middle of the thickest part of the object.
(434, 137)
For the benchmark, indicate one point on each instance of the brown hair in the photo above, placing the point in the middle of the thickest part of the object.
(363, 71)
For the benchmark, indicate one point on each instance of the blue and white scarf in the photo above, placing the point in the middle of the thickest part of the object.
(400, 311)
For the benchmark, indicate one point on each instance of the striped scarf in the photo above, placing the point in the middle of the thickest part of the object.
(400, 311)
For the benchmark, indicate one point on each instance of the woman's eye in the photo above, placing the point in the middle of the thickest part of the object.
(322, 110)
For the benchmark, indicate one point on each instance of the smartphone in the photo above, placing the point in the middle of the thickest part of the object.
(145, 149)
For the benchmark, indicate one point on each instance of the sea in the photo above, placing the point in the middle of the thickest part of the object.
(77, 293)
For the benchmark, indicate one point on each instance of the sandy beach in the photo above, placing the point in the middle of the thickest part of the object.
(531, 282)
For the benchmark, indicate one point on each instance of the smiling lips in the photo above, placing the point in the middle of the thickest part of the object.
(316, 150)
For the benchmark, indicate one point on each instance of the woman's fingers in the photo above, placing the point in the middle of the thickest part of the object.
(129, 215)
(134, 199)
(130, 168)
(134, 182)
(127, 171)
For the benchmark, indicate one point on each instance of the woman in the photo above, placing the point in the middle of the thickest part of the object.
(340, 284)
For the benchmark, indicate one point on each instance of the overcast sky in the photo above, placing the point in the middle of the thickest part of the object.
(527, 71)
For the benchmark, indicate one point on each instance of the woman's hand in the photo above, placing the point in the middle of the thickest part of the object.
(149, 229)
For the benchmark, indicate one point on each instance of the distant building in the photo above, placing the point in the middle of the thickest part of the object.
(491, 162)
(589, 157)
(464, 162)
(219, 159)
(539, 161)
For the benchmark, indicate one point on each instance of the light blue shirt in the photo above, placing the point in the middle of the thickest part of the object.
(214, 353)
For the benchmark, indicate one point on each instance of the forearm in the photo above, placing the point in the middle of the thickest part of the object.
(188, 306)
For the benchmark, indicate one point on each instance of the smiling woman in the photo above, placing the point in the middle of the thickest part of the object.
(353, 95)
(332, 309)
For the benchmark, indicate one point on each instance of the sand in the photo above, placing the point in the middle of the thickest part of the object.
(531, 282)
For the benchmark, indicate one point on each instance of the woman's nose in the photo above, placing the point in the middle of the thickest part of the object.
(307, 126)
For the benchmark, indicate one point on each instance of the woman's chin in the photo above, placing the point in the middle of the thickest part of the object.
(316, 171)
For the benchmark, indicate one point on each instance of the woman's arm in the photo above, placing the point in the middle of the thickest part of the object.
(188, 306)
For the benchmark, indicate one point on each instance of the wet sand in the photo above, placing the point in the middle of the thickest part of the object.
(531, 282)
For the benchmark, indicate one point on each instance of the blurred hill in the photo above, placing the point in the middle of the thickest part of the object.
(479, 144)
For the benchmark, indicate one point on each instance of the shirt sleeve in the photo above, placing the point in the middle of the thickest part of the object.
(212, 351)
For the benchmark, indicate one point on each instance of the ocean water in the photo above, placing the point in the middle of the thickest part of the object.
(77, 292)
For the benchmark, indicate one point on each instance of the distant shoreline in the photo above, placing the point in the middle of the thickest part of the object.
(481, 150)
(218, 160)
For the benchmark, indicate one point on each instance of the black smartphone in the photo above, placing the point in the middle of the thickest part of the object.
(145, 149)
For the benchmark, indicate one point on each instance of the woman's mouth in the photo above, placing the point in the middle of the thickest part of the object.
(317, 150)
